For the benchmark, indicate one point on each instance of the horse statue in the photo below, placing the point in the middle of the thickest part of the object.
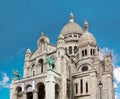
(51, 62)
(16, 74)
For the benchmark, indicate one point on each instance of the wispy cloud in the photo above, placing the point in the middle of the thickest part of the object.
(4, 83)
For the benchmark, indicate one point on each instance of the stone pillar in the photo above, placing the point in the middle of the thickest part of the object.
(50, 85)
(93, 89)
(35, 94)
(24, 95)
(15, 96)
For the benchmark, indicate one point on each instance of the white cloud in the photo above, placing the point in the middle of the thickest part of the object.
(105, 51)
(4, 83)
(117, 74)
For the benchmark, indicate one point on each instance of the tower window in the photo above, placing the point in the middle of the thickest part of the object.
(70, 35)
(86, 87)
(70, 50)
(75, 49)
(91, 52)
(81, 86)
(85, 52)
(75, 35)
(82, 53)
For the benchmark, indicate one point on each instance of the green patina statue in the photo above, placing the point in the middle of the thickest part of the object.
(16, 74)
(51, 62)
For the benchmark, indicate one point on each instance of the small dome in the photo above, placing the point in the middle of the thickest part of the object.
(71, 27)
(87, 38)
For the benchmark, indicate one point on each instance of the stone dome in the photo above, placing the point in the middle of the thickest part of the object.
(71, 27)
(87, 38)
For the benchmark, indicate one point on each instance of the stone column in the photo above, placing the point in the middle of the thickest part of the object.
(15, 96)
(35, 94)
(50, 85)
(24, 95)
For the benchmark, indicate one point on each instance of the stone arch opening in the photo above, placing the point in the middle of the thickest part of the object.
(42, 42)
(57, 91)
(41, 90)
(29, 92)
(19, 92)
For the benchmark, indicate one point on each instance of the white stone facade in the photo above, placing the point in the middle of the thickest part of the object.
(77, 73)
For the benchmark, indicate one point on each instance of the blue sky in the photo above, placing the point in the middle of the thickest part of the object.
(22, 21)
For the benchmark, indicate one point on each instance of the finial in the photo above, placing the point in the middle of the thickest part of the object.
(42, 33)
(71, 17)
(28, 51)
(85, 26)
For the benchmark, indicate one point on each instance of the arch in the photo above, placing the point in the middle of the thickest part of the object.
(70, 49)
(41, 90)
(19, 92)
(28, 90)
(40, 62)
(57, 91)
(42, 43)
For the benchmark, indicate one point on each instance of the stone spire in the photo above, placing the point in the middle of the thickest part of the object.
(71, 17)
(86, 26)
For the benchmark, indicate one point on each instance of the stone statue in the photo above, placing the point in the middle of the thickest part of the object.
(51, 62)
(16, 74)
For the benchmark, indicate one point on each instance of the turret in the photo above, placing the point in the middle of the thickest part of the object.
(26, 63)
(60, 45)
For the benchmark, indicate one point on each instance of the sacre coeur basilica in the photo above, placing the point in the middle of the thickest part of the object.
(71, 69)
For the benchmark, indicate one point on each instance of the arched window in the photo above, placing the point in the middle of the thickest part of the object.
(93, 51)
(75, 49)
(33, 73)
(86, 87)
(82, 53)
(70, 50)
(41, 64)
(76, 88)
(81, 86)
(42, 42)
(84, 68)
(85, 52)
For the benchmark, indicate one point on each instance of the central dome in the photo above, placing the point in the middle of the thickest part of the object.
(71, 27)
